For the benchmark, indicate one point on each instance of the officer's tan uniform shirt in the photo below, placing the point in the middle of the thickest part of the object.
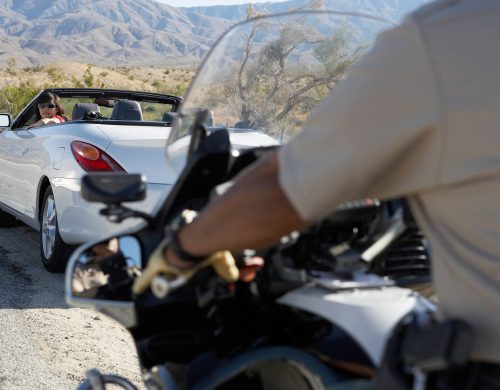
(419, 115)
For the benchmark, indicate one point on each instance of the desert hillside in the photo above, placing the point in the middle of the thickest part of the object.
(139, 32)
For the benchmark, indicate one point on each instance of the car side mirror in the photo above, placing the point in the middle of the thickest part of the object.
(5, 120)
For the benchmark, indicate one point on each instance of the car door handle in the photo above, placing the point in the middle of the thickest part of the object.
(24, 151)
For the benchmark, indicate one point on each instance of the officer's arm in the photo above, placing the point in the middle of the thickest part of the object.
(253, 213)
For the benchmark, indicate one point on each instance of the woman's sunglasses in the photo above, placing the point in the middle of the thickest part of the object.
(46, 105)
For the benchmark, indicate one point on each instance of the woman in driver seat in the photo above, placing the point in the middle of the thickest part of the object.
(50, 110)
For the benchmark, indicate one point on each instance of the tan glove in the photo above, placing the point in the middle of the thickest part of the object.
(222, 262)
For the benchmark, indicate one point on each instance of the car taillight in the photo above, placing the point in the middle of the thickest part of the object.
(93, 159)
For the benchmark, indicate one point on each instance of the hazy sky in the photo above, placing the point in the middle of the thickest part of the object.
(195, 3)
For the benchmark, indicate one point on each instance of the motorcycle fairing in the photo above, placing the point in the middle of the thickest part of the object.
(352, 310)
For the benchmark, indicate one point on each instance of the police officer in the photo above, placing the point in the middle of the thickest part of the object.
(417, 116)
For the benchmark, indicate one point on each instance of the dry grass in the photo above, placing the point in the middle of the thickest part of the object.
(66, 74)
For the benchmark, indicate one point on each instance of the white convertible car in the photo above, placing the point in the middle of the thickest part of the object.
(41, 167)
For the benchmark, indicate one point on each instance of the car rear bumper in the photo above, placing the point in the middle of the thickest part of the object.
(79, 221)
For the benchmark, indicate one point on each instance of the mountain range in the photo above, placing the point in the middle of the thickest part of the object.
(136, 32)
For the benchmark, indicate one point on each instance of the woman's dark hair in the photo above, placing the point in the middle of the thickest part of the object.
(47, 97)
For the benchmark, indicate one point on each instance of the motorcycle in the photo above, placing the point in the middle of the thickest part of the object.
(319, 310)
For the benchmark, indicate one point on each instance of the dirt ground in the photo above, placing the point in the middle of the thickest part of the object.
(45, 343)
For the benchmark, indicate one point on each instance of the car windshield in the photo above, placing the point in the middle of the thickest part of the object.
(268, 73)
(108, 106)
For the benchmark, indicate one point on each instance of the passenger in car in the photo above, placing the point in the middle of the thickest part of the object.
(50, 110)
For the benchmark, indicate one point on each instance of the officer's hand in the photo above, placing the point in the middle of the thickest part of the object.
(159, 264)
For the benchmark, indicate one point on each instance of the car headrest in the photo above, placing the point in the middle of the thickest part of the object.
(79, 109)
(127, 110)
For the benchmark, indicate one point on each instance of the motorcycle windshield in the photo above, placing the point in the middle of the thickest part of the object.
(266, 74)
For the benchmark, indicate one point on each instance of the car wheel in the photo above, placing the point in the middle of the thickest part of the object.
(54, 251)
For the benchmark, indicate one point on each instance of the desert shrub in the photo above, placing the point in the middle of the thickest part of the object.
(77, 83)
(11, 65)
(177, 89)
(33, 69)
(88, 77)
(13, 98)
(55, 75)
(149, 108)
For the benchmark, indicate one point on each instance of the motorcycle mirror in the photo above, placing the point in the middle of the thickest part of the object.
(198, 130)
(100, 276)
(113, 187)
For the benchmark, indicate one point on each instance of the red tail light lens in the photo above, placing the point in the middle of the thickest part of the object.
(93, 159)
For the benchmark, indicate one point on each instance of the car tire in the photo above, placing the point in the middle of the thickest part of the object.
(7, 220)
(53, 250)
